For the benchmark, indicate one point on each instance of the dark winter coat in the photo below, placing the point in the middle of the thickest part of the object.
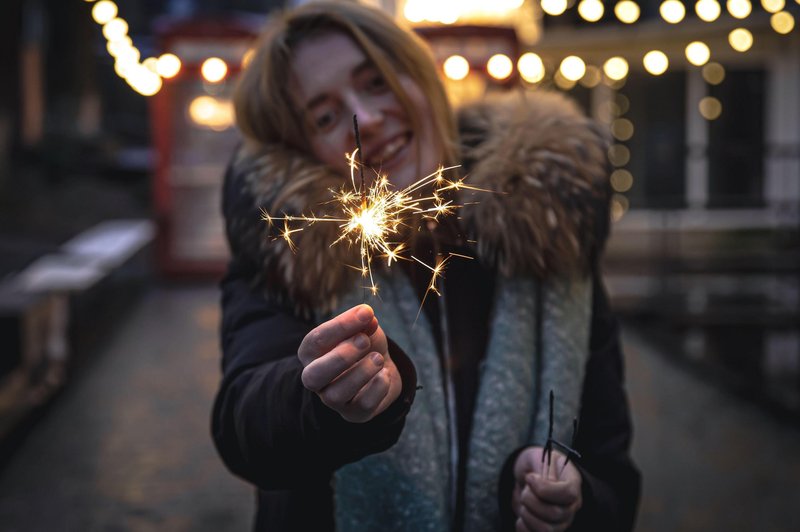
(550, 162)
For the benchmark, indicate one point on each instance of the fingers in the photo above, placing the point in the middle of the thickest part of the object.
(546, 513)
(547, 504)
(322, 371)
(328, 335)
(558, 492)
(370, 400)
(345, 388)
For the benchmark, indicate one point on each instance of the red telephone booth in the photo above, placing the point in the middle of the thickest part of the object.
(194, 136)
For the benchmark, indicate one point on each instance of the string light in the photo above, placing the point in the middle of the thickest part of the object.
(622, 129)
(782, 22)
(168, 65)
(773, 6)
(214, 70)
(619, 206)
(627, 11)
(656, 62)
(116, 48)
(708, 10)
(616, 68)
(115, 29)
(740, 39)
(104, 11)
(554, 7)
(713, 73)
(739, 8)
(710, 108)
(572, 68)
(499, 66)
(591, 10)
(672, 11)
(621, 180)
(619, 155)
(592, 77)
(151, 63)
(531, 67)
(456, 67)
(698, 53)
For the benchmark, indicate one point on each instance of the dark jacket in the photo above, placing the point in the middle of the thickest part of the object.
(276, 434)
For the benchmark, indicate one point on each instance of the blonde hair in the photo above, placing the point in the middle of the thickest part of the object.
(266, 113)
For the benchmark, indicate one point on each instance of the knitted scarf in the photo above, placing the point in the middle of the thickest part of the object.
(407, 487)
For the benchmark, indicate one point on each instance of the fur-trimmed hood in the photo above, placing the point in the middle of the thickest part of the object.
(544, 158)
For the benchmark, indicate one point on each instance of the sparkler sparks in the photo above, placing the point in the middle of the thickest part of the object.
(374, 218)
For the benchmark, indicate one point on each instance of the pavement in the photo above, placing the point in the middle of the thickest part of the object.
(126, 445)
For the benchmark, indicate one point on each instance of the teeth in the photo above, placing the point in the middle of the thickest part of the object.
(391, 148)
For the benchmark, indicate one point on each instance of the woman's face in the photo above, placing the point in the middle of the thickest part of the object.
(335, 81)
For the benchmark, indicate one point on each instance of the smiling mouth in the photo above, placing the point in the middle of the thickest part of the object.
(390, 152)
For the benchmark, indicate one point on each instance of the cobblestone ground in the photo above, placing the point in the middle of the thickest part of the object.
(126, 446)
(710, 461)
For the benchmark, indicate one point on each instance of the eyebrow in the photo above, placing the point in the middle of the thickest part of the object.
(365, 65)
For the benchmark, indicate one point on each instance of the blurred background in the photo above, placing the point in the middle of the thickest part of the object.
(116, 125)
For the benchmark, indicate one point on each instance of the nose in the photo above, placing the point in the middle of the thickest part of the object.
(369, 114)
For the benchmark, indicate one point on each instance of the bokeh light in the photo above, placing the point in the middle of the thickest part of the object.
(740, 39)
(622, 129)
(672, 11)
(115, 29)
(773, 6)
(168, 65)
(616, 68)
(592, 77)
(572, 68)
(591, 10)
(698, 53)
(619, 206)
(627, 11)
(656, 62)
(456, 67)
(739, 8)
(782, 22)
(619, 155)
(104, 11)
(531, 67)
(621, 180)
(713, 73)
(710, 108)
(499, 66)
(554, 7)
(214, 69)
(708, 10)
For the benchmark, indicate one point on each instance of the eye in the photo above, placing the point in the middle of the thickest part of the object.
(376, 83)
(324, 119)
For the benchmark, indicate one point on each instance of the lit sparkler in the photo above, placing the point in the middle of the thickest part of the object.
(373, 217)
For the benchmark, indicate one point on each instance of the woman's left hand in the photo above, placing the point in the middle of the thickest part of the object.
(545, 498)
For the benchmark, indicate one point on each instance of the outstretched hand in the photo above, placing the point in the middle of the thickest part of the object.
(545, 498)
(347, 364)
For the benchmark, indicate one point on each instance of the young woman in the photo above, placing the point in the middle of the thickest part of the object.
(364, 417)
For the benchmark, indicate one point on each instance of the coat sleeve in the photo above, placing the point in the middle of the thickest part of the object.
(610, 480)
(267, 427)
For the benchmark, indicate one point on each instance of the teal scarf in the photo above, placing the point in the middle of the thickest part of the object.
(408, 486)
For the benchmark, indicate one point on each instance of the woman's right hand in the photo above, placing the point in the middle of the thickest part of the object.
(347, 364)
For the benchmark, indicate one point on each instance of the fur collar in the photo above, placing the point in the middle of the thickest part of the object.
(547, 161)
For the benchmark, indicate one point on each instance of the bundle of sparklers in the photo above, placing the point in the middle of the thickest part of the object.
(568, 450)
